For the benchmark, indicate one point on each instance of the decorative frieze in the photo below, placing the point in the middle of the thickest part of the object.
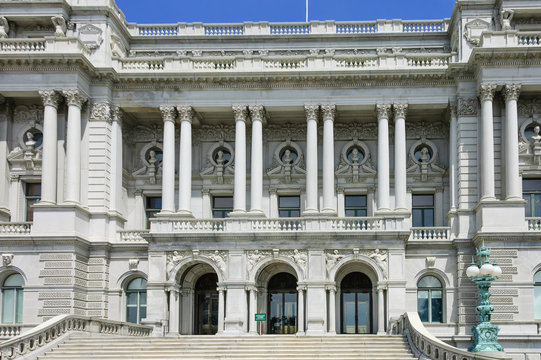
(101, 111)
(467, 106)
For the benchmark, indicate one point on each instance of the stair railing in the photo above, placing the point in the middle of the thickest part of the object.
(426, 346)
(51, 332)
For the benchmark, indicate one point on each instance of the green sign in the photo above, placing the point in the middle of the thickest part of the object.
(260, 317)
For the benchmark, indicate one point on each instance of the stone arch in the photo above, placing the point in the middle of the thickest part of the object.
(535, 270)
(281, 264)
(124, 279)
(6, 271)
(440, 275)
(180, 269)
(361, 263)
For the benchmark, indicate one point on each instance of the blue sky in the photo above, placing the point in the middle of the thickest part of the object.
(211, 11)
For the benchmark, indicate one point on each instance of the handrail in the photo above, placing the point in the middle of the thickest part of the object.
(54, 328)
(15, 228)
(425, 345)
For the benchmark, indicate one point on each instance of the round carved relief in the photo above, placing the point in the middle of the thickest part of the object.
(355, 152)
(423, 152)
(288, 153)
(31, 137)
(152, 154)
(221, 153)
(528, 130)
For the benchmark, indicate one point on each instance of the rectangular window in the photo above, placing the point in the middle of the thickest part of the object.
(531, 192)
(32, 194)
(289, 206)
(153, 206)
(355, 205)
(422, 211)
(221, 206)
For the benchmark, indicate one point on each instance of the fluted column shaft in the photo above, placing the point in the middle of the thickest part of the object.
(168, 162)
(50, 138)
(381, 313)
(486, 95)
(116, 160)
(383, 156)
(312, 112)
(332, 310)
(185, 165)
(72, 185)
(239, 195)
(400, 152)
(257, 114)
(512, 177)
(329, 206)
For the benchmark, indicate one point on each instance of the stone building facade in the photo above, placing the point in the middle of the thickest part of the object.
(332, 175)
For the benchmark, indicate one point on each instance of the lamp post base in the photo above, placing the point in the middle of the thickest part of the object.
(485, 338)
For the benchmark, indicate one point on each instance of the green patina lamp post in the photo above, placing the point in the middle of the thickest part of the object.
(485, 334)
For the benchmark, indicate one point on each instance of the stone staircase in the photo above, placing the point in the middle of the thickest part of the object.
(268, 347)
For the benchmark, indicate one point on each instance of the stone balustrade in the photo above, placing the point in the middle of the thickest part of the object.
(54, 330)
(14, 228)
(534, 224)
(510, 38)
(10, 330)
(47, 45)
(22, 45)
(430, 233)
(424, 345)
(251, 225)
(132, 235)
(284, 29)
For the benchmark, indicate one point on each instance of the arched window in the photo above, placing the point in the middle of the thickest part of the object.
(12, 299)
(430, 299)
(136, 300)
(537, 294)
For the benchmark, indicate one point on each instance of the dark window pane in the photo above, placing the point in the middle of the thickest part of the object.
(531, 185)
(289, 202)
(428, 217)
(528, 198)
(417, 217)
(223, 202)
(295, 213)
(537, 205)
(283, 213)
(422, 305)
(131, 314)
(423, 200)
(355, 200)
(350, 212)
(154, 202)
(33, 189)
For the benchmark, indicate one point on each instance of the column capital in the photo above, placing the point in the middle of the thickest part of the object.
(329, 111)
(330, 288)
(185, 113)
(74, 97)
(383, 110)
(486, 91)
(101, 112)
(241, 112)
(312, 112)
(117, 114)
(168, 113)
(511, 91)
(453, 108)
(257, 112)
(50, 97)
(400, 110)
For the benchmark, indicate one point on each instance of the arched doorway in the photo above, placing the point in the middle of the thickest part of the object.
(282, 304)
(206, 305)
(356, 304)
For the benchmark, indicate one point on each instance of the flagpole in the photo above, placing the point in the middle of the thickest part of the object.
(306, 10)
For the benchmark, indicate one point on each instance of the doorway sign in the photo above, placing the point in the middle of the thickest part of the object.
(260, 318)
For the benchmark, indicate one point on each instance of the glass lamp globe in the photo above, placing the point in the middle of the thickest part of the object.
(487, 269)
(472, 271)
(497, 271)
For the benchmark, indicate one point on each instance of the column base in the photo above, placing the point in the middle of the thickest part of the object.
(381, 333)
(328, 212)
(165, 213)
(300, 333)
(491, 215)
(5, 214)
(256, 213)
(310, 212)
(184, 214)
(237, 213)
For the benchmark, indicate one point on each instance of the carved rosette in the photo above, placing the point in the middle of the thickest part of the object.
(486, 91)
(329, 111)
(312, 112)
(383, 110)
(400, 110)
(185, 113)
(168, 113)
(241, 112)
(511, 92)
(466, 106)
(50, 97)
(101, 112)
(74, 97)
(257, 112)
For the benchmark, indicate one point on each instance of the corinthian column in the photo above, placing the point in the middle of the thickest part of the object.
(257, 113)
(50, 138)
(512, 177)
(168, 163)
(312, 112)
(116, 160)
(486, 94)
(400, 111)
(328, 159)
(239, 196)
(383, 156)
(185, 166)
(453, 180)
(75, 101)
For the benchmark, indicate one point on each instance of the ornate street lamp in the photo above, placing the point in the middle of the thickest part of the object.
(485, 334)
